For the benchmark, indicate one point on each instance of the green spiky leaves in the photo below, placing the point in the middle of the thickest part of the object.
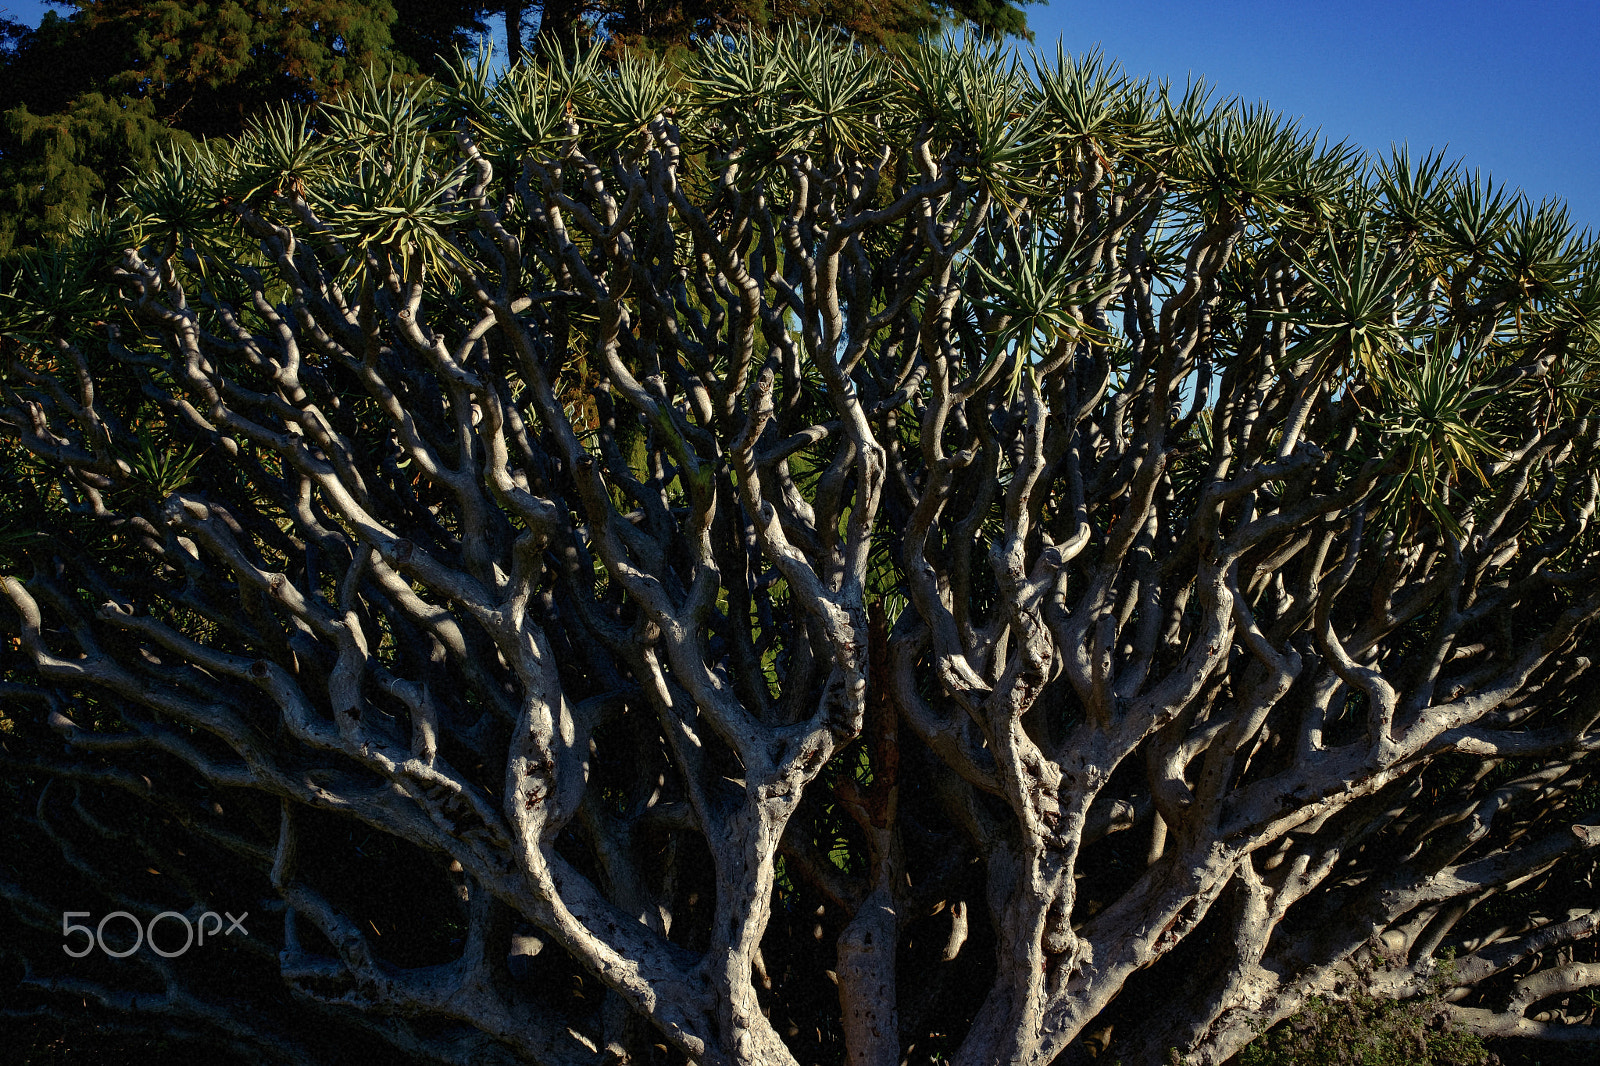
(395, 205)
(1430, 417)
(47, 293)
(157, 466)
(1034, 297)
(1361, 292)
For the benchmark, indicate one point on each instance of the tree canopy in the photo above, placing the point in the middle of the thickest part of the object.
(891, 22)
(817, 555)
(87, 97)
(56, 165)
(211, 64)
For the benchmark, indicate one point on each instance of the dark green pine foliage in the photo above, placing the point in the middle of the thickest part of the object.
(208, 64)
(424, 32)
(57, 165)
(45, 67)
(85, 97)
(665, 23)
(60, 139)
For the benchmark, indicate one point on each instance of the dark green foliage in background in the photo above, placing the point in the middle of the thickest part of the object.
(87, 96)
(56, 166)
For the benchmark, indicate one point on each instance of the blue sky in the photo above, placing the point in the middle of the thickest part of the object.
(1512, 86)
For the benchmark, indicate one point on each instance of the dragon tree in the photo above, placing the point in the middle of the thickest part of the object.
(811, 555)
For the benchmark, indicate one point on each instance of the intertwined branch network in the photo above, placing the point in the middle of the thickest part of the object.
(804, 555)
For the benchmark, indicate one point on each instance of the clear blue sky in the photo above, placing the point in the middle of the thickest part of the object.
(1512, 86)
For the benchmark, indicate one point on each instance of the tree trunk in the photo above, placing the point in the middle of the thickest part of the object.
(514, 42)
